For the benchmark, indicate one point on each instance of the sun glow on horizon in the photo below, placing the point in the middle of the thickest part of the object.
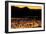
(30, 7)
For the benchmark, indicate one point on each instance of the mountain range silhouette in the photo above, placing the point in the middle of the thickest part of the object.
(25, 12)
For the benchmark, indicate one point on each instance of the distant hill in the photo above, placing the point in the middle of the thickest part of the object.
(25, 12)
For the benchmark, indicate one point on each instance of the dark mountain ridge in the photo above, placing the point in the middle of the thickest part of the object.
(25, 12)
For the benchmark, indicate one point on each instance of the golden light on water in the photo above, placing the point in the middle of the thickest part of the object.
(26, 24)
